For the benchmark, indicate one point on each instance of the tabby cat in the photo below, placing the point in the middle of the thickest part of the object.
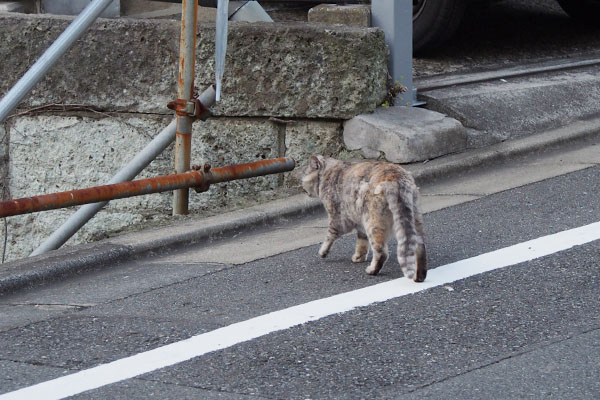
(376, 199)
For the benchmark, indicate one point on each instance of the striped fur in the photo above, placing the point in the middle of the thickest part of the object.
(376, 199)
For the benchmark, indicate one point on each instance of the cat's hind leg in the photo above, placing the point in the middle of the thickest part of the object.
(362, 248)
(378, 238)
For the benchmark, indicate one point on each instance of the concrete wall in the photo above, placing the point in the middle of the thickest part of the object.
(287, 90)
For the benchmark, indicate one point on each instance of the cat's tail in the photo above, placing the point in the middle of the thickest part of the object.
(408, 229)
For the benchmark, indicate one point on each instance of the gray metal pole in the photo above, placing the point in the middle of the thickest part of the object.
(39, 69)
(127, 173)
(394, 17)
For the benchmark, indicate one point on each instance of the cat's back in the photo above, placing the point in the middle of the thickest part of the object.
(353, 181)
(373, 173)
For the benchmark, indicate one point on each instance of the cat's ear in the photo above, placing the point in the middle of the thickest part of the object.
(316, 162)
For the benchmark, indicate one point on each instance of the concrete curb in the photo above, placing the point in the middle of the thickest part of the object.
(488, 156)
(30, 272)
(26, 273)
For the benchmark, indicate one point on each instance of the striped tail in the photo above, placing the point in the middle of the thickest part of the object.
(407, 224)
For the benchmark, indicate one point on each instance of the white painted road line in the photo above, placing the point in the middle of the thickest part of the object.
(231, 335)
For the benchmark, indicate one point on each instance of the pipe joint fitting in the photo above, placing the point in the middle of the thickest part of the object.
(189, 108)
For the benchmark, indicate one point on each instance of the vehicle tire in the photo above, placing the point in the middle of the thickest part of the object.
(434, 22)
(583, 10)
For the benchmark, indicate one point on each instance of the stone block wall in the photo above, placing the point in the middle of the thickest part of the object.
(287, 90)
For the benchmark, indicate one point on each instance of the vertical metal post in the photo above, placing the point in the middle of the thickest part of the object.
(39, 69)
(394, 17)
(185, 91)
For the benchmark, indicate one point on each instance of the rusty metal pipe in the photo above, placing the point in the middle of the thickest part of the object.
(202, 179)
(185, 91)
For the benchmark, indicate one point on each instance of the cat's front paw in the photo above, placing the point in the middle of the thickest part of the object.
(324, 250)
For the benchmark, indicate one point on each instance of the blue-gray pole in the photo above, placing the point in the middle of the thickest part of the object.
(39, 69)
(394, 17)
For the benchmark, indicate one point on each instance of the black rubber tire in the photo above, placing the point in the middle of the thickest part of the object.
(435, 22)
(583, 10)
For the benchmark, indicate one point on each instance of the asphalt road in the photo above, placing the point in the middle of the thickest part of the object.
(528, 330)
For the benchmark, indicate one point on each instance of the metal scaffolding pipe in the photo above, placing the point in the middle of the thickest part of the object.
(127, 173)
(198, 179)
(185, 91)
(145, 157)
(39, 69)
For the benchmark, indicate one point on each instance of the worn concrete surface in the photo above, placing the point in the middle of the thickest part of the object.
(287, 88)
(285, 70)
(51, 153)
(404, 134)
(303, 139)
(351, 15)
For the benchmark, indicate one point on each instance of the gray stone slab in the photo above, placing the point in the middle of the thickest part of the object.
(28, 272)
(352, 15)
(404, 134)
(290, 70)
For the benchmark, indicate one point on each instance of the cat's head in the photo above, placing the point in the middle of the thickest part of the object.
(311, 175)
